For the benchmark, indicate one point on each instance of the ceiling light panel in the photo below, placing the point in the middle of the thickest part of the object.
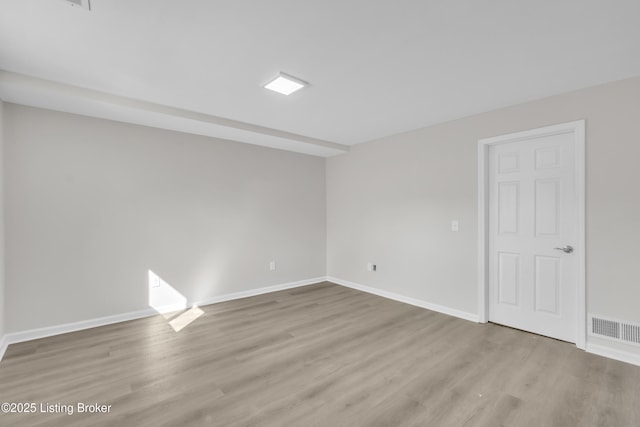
(285, 84)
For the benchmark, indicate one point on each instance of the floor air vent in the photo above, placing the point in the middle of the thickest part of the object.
(617, 330)
(630, 333)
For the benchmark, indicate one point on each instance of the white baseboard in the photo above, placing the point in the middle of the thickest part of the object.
(613, 353)
(3, 345)
(49, 331)
(407, 300)
(33, 334)
(259, 291)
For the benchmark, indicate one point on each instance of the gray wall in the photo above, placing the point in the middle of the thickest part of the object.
(391, 201)
(92, 205)
(2, 304)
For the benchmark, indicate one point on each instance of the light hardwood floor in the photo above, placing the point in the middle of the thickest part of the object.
(321, 355)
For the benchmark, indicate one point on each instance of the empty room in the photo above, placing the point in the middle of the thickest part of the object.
(322, 213)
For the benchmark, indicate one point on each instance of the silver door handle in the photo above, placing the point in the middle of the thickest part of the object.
(567, 249)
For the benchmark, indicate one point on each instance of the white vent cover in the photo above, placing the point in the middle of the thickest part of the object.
(86, 4)
(617, 330)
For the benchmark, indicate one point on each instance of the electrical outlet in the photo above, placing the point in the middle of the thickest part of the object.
(369, 266)
(85, 4)
(272, 266)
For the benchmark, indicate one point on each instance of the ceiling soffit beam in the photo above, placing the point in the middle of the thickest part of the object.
(51, 87)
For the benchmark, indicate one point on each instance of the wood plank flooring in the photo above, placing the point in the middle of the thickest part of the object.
(320, 355)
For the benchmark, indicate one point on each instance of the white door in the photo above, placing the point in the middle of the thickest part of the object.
(533, 225)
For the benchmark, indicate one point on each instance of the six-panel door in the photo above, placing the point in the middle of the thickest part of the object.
(533, 211)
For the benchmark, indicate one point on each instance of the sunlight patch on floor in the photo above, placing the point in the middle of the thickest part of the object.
(180, 322)
(170, 303)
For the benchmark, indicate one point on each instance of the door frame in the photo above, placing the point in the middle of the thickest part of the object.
(577, 128)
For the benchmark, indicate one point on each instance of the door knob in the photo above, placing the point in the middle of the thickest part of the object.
(567, 249)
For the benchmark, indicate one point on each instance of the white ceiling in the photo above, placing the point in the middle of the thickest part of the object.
(375, 67)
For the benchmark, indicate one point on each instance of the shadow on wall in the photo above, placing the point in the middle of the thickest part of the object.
(170, 303)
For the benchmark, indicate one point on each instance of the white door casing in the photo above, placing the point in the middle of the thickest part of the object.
(531, 201)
